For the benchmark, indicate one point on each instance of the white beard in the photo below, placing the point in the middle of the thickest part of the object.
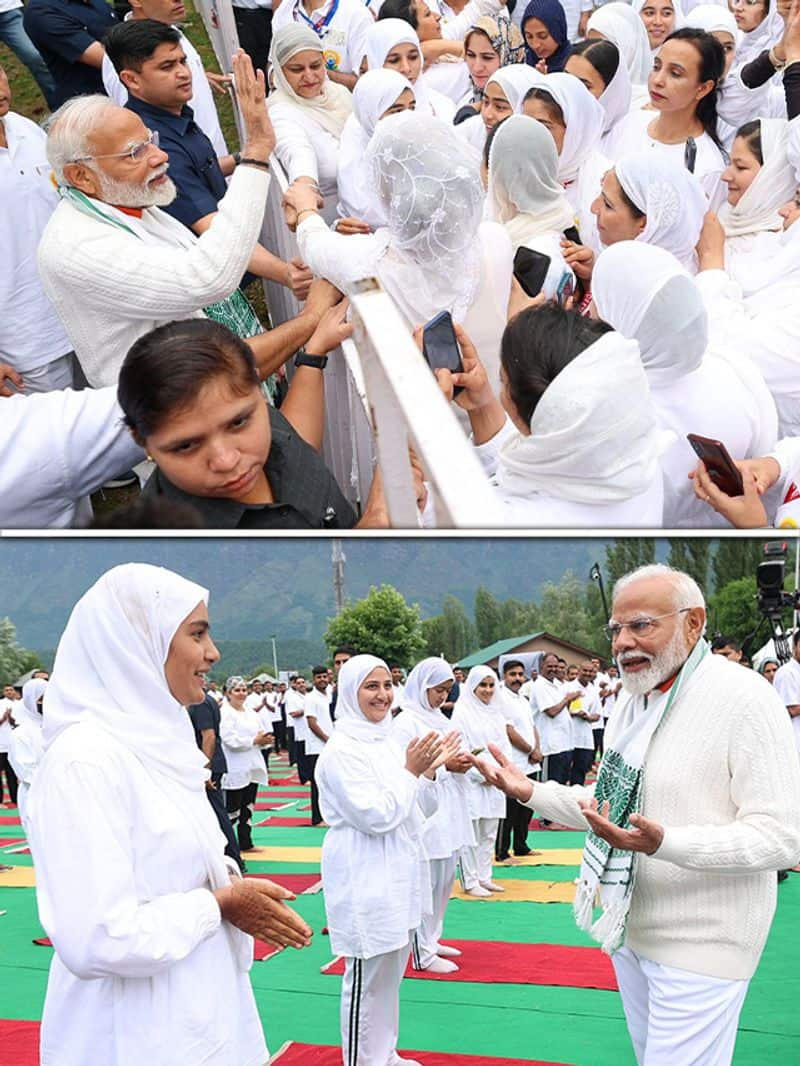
(662, 666)
(130, 194)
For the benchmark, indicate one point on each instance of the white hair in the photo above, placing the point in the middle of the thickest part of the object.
(70, 127)
(686, 591)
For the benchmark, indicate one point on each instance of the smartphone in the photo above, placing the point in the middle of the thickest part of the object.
(530, 269)
(571, 234)
(566, 288)
(440, 347)
(690, 154)
(721, 468)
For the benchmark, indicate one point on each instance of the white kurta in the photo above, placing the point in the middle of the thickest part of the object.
(376, 884)
(555, 734)
(25, 750)
(144, 970)
(307, 149)
(787, 685)
(245, 762)
(317, 705)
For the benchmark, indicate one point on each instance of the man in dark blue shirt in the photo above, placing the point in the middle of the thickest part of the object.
(67, 34)
(151, 64)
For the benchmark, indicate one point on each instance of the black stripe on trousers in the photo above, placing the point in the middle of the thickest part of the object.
(415, 953)
(355, 1013)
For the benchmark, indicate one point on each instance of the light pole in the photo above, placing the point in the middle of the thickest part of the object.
(597, 575)
(274, 658)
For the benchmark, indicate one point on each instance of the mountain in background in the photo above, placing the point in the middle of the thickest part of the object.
(281, 586)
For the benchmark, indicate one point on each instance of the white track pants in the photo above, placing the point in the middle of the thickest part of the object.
(424, 941)
(675, 1016)
(370, 1013)
(476, 862)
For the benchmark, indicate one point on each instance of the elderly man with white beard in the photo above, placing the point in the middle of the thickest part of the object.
(696, 804)
(115, 266)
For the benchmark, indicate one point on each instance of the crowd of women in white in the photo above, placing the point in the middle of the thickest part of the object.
(635, 137)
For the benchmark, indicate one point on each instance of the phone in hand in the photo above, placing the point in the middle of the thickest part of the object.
(530, 269)
(721, 468)
(566, 288)
(440, 346)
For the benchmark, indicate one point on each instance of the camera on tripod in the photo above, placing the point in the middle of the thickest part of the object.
(773, 600)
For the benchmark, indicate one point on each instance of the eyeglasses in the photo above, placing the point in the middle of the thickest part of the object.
(136, 152)
(640, 627)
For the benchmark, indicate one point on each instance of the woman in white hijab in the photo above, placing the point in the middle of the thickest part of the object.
(378, 93)
(561, 448)
(450, 828)
(652, 199)
(26, 746)
(479, 717)
(717, 20)
(598, 64)
(242, 741)
(132, 884)
(435, 253)
(760, 180)
(393, 43)
(503, 95)
(645, 294)
(526, 196)
(761, 26)
(575, 119)
(308, 111)
(374, 795)
(660, 18)
(756, 312)
(618, 22)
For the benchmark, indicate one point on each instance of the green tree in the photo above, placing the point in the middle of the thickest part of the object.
(733, 610)
(14, 660)
(450, 633)
(625, 555)
(564, 612)
(488, 622)
(381, 624)
(736, 557)
(691, 554)
(518, 618)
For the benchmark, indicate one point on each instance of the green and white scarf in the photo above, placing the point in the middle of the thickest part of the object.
(234, 311)
(605, 870)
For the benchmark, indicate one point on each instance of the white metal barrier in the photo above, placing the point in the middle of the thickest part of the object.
(380, 396)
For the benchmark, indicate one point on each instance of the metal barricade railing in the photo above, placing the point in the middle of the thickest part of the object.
(380, 396)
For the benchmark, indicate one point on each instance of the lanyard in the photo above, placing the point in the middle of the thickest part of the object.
(322, 25)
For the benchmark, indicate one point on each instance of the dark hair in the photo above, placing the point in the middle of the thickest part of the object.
(537, 345)
(165, 370)
(513, 664)
(552, 104)
(318, 670)
(399, 9)
(395, 666)
(750, 133)
(712, 67)
(603, 55)
(725, 642)
(151, 512)
(131, 43)
(487, 144)
(344, 649)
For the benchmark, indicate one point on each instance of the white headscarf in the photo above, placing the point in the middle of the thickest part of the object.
(374, 94)
(350, 719)
(332, 106)
(671, 197)
(428, 182)
(31, 693)
(615, 99)
(479, 723)
(714, 18)
(516, 81)
(766, 34)
(584, 118)
(677, 7)
(385, 35)
(524, 191)
(575, 451)
(618, 22)
(775, 183)
(647, 296)
(769, 272)
(427, 674)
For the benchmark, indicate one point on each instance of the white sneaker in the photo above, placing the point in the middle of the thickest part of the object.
(438, 965)
(478, 891)
(492, 886)
(444, 951)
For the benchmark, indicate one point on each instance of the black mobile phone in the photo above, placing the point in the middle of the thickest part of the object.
(721, 468)
(440, 347)
(530, 269)
(690, 154)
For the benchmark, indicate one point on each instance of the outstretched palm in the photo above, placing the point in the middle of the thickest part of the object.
(503, 774)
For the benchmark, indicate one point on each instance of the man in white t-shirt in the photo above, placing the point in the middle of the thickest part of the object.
(6, 711)
(611, 693)
(213, 690)
(319, 728)
(553, 721)
(787, 685)
(524, 753)
(398, 688)
(296, 724)
(585, 713)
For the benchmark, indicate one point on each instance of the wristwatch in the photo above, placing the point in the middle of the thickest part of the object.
(319, 362)
(237, 158)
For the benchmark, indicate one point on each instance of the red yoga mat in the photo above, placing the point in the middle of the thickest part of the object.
(19, 1043)
(286, 821)
(319, 1055)
(7, 842)
(536, 824)
(272, 806)
(497, 962)
(263, 951)
(291, 793)
(297, 883)
(285, 781)
(11, 820)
